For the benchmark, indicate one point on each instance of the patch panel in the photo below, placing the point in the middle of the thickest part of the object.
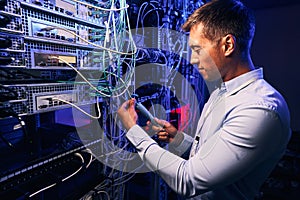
(38, 170)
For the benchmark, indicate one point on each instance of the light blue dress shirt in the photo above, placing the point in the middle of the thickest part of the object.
(241, 135)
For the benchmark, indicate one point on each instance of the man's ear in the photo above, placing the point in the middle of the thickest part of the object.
(228, 44)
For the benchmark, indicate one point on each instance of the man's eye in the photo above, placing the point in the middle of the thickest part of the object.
(197, 51)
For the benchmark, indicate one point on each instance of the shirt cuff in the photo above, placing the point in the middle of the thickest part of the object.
(184, 145)
(136, 135)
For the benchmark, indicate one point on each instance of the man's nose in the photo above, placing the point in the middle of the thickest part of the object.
(194, 59)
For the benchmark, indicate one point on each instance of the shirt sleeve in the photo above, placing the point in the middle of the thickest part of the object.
(184, 147)
(248, 137)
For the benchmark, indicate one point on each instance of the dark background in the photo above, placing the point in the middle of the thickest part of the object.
(276, 48)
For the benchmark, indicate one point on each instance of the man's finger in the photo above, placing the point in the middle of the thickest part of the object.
(162, 122)
(164, 136)
(163, 133)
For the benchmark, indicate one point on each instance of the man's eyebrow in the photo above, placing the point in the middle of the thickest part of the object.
(193, 46)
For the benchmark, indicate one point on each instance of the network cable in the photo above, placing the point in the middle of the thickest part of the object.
(100, 8)
(91, 43)
(105, 72)
(91, 157)
(134, 50)
(89, 83)
(64, 179)
(81, 110)
(99, 192)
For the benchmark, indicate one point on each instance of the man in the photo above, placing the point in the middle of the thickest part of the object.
(244, 127)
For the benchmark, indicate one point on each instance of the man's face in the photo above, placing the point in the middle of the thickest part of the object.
(205, 54)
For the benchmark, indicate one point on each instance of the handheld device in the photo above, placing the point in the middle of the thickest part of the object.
(146, 113)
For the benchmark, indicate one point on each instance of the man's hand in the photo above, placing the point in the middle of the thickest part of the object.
(166, 132)
(127, 114)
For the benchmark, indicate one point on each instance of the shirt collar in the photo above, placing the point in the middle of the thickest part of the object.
(236, 84)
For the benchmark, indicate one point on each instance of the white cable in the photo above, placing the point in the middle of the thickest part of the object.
(49, 186)
(80, 109)
(124, 177)
(96, 45)
(100, 8)
(83, 77)
(114, 29)
(91, 157)
(109, 50)
(138, 19)
(110, 153)
(130, 34)
(102, 191)
(90, 161)
(106, 39)
(82, 162)
(107, 31)
(90, 84)
(45, 188)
